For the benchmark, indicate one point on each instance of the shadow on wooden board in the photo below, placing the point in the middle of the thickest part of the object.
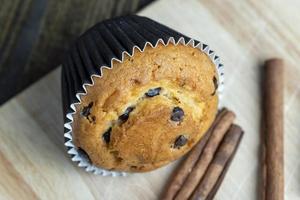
(35, 33)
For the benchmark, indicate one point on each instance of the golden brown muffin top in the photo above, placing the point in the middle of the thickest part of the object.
(149, 110)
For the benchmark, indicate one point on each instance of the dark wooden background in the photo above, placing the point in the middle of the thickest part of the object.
(35, 33)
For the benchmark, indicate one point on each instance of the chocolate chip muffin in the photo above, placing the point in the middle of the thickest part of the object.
(148, 110)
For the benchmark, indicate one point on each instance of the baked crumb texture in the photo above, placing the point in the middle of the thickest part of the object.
(147, 111)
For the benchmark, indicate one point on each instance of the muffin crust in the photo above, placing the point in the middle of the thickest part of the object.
(147, 111)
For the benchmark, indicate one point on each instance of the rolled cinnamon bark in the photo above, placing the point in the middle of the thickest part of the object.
(178, 178)
(206, 157)
(216, 187)
(273, 129)
(218, 164)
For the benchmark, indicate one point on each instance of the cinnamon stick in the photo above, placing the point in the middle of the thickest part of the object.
(273, 127)
(216, 167)
(206, 157)
(222, 176)
(178, 178)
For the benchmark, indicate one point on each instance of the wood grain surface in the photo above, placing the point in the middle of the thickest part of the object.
(33, 162)
(35, 33)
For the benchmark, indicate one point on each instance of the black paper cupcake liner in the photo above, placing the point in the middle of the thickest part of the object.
(97, 48)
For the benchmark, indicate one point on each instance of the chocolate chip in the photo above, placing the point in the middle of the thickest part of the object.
(177, 114)
(106, 136)
(215, 81)
(180, 141)
(93, 119)
(153, 92)
(84, 155)
(124, 117)
(86, 111)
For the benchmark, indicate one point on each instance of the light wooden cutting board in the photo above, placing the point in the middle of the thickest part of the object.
(33, 162)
